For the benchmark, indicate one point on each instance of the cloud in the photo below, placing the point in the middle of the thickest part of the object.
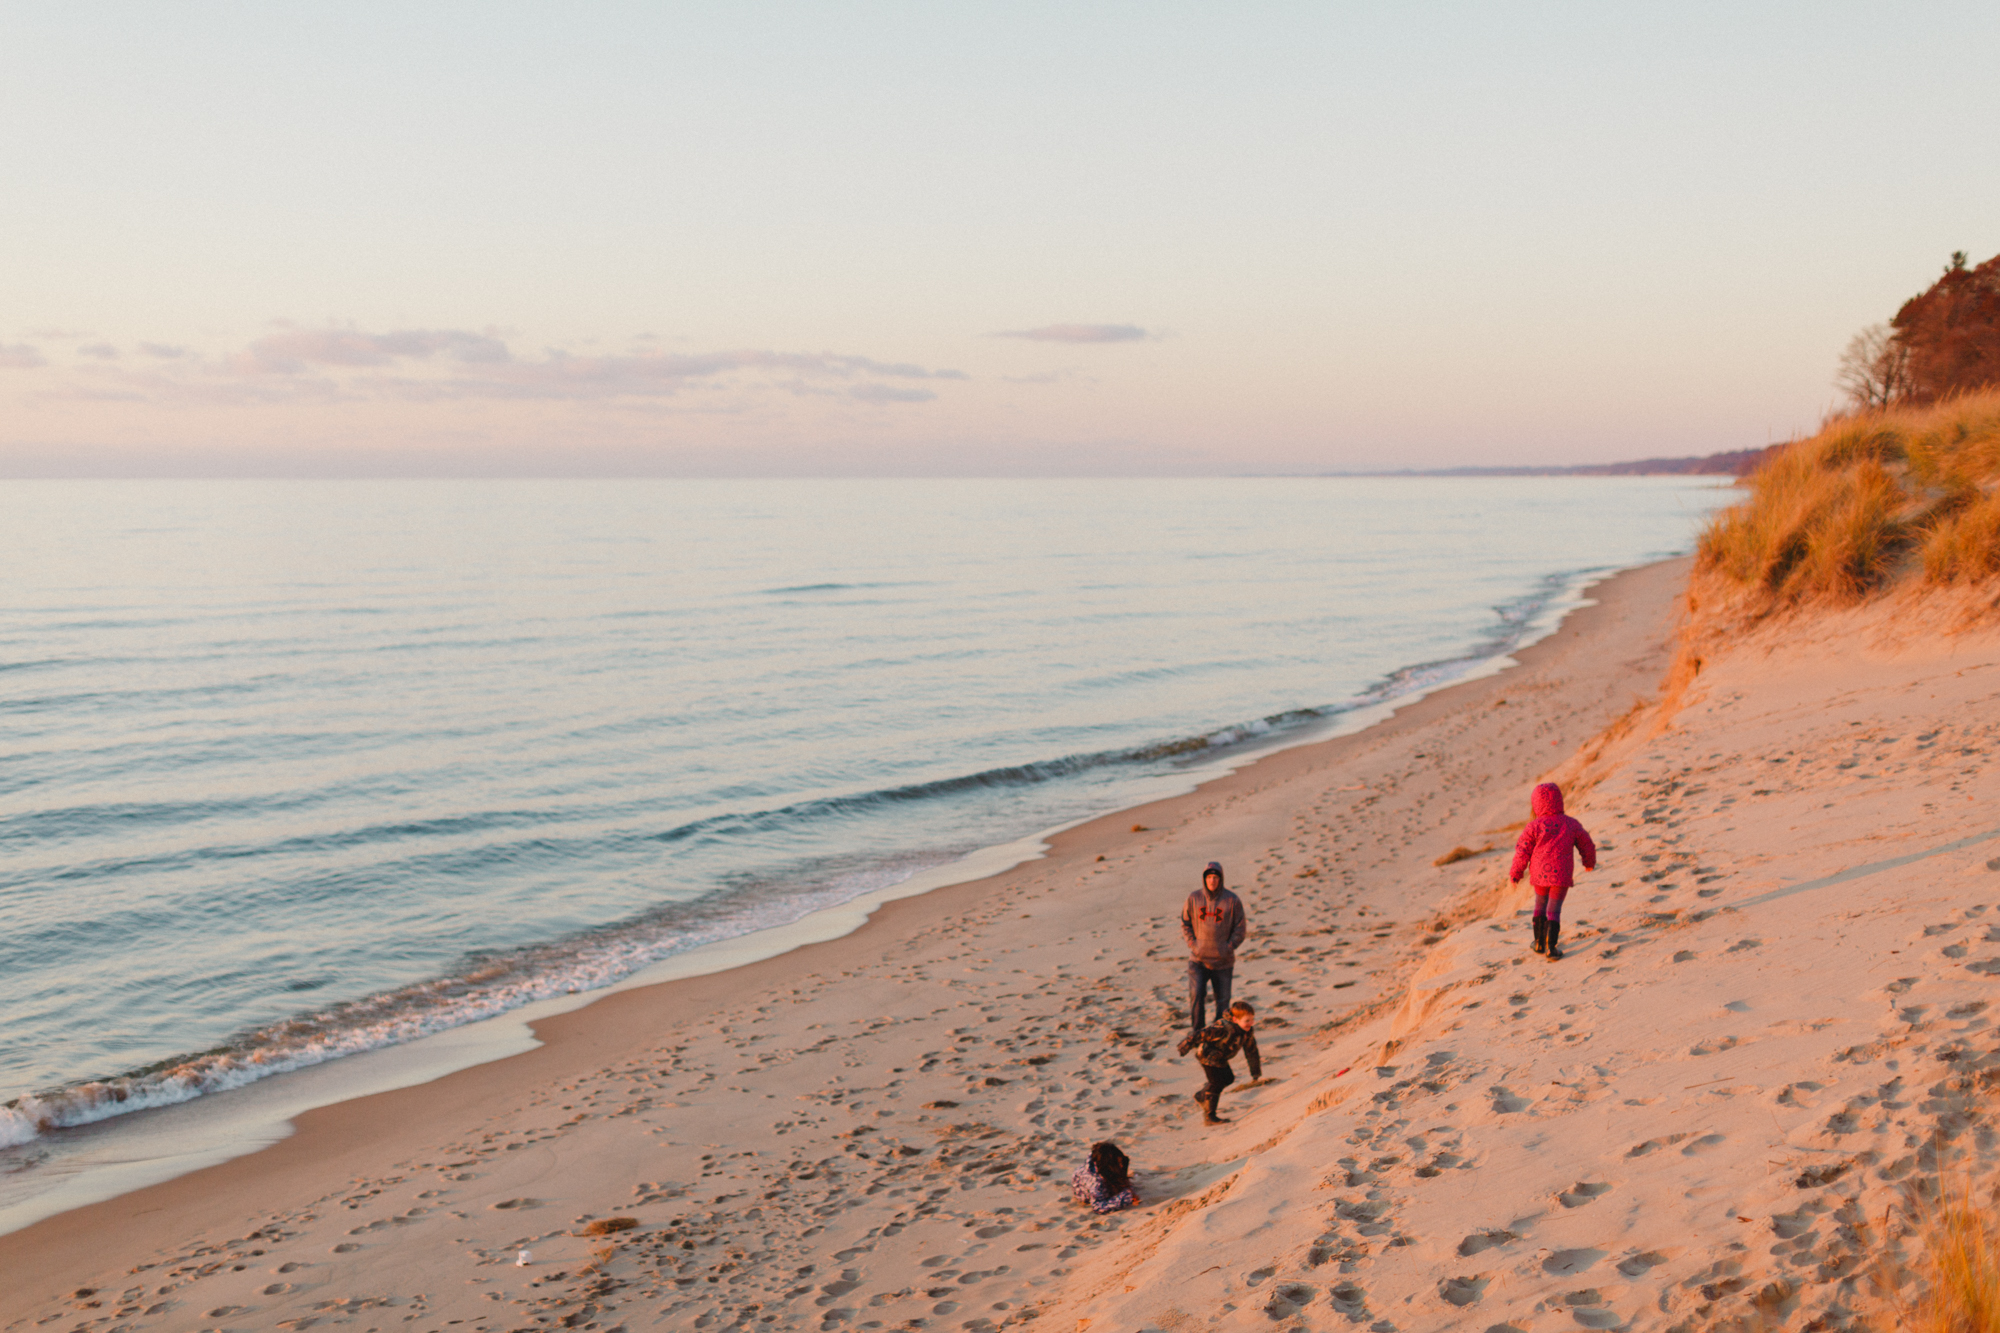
(889, 393)
(294, 365)
(655, 375)
(102, 351)
(20, 356)
(292, 352)
(1079, 333)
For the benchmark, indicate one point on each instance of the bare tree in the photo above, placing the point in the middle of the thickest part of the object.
(1875, 369)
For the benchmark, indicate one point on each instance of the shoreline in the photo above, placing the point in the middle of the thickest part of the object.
(333, 1141)
(161, 1144)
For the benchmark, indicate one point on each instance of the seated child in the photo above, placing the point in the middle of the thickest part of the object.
(1105, 1181)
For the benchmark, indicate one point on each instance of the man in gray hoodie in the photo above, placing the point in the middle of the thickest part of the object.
(1213, 924)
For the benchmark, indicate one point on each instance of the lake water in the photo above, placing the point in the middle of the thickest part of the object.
(293, 770)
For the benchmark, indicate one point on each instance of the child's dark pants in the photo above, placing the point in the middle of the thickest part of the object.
(1219, 1077)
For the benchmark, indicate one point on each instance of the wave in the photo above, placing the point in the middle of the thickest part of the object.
(488, 985)
(826, 587)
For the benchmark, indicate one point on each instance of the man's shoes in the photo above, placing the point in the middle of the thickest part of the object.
(1211, 1118)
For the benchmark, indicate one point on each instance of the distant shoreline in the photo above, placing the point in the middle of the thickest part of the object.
(1733, 463)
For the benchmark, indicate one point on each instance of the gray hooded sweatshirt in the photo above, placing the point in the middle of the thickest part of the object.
(1213, 924)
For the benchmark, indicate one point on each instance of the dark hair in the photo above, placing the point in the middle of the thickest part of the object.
(1243, 1007)
(1112, 1166)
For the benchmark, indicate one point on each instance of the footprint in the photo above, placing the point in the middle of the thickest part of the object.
(347, 1247)
(1706, 1143)
(1287, 1300)
(1564, 1262)
(1638, 1264)
(1463, 1291)
(1506, 1103)
(1791, 1225)
(1654, 1145)
(277, 1289)
(515, 1203)
(1581, 1193)
(1483, 1240)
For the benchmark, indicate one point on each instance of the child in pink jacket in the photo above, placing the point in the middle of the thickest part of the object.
(1544, 851)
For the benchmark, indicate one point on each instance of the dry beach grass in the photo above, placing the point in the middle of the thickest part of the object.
(1831, 518)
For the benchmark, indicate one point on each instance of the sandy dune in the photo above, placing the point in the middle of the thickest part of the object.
(1768, 1025)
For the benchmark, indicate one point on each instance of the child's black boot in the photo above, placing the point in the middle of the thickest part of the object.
(1541, 934)
(1555, 932)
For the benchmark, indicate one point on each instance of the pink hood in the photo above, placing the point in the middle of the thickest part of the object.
(1549, 844)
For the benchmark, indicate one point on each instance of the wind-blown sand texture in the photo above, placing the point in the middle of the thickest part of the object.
(1770, 1023)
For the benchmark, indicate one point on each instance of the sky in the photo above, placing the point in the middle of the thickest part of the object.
(840, 239)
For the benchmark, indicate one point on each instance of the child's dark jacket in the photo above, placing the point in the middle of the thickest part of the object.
(1218, 1043)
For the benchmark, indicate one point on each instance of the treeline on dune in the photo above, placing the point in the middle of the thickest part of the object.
(1904, 487)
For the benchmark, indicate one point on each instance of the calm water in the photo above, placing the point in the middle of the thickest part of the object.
(290, 770)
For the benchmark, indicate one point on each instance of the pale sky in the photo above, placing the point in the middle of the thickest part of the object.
(951, 239)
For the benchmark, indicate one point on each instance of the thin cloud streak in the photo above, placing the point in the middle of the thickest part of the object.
(1080, 333)
(443, 365)
(291, 352)
(20, 356)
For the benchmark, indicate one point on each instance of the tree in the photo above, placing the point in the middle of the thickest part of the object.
(1875, 369)
(1951, 332)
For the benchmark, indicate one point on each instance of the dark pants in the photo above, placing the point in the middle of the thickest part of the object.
(1200, 977)
(1219, 1077)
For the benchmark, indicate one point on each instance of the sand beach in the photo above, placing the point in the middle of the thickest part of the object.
(1768, 1026)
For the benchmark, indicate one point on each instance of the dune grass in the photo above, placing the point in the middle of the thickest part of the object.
(1836, 516)
(1961, 1267)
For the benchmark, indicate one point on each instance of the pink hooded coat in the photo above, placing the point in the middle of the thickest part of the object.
(1546, 843)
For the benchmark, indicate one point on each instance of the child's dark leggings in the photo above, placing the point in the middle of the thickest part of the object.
(1549, 903)
(1219, 1077)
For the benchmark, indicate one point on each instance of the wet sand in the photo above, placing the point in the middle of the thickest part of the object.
(876, 1131)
